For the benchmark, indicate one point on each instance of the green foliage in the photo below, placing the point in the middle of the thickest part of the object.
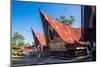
(33, 43)
(17, 42)
(17, 39)
(18, 54)
(16, 47)
(72, 19)
(66, 21)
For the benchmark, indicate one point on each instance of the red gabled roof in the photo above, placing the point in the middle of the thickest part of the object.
(66, 32)
(40, 38)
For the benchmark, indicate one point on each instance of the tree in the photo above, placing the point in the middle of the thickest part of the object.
(17, 47)
(72, 19)
(17, 39)
(66, 21)
(33, 43)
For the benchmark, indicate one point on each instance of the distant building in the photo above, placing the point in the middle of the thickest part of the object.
(26, 49)
(40, 46)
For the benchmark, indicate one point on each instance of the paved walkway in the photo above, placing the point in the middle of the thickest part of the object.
(49, 60)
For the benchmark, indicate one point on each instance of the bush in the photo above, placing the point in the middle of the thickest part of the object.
(14, 54)
(17, 47)
(20, 54)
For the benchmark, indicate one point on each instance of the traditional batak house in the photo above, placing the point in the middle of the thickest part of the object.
(61, 39)
(40, 47)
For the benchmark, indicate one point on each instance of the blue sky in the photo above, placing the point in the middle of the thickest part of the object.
(26, 15)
